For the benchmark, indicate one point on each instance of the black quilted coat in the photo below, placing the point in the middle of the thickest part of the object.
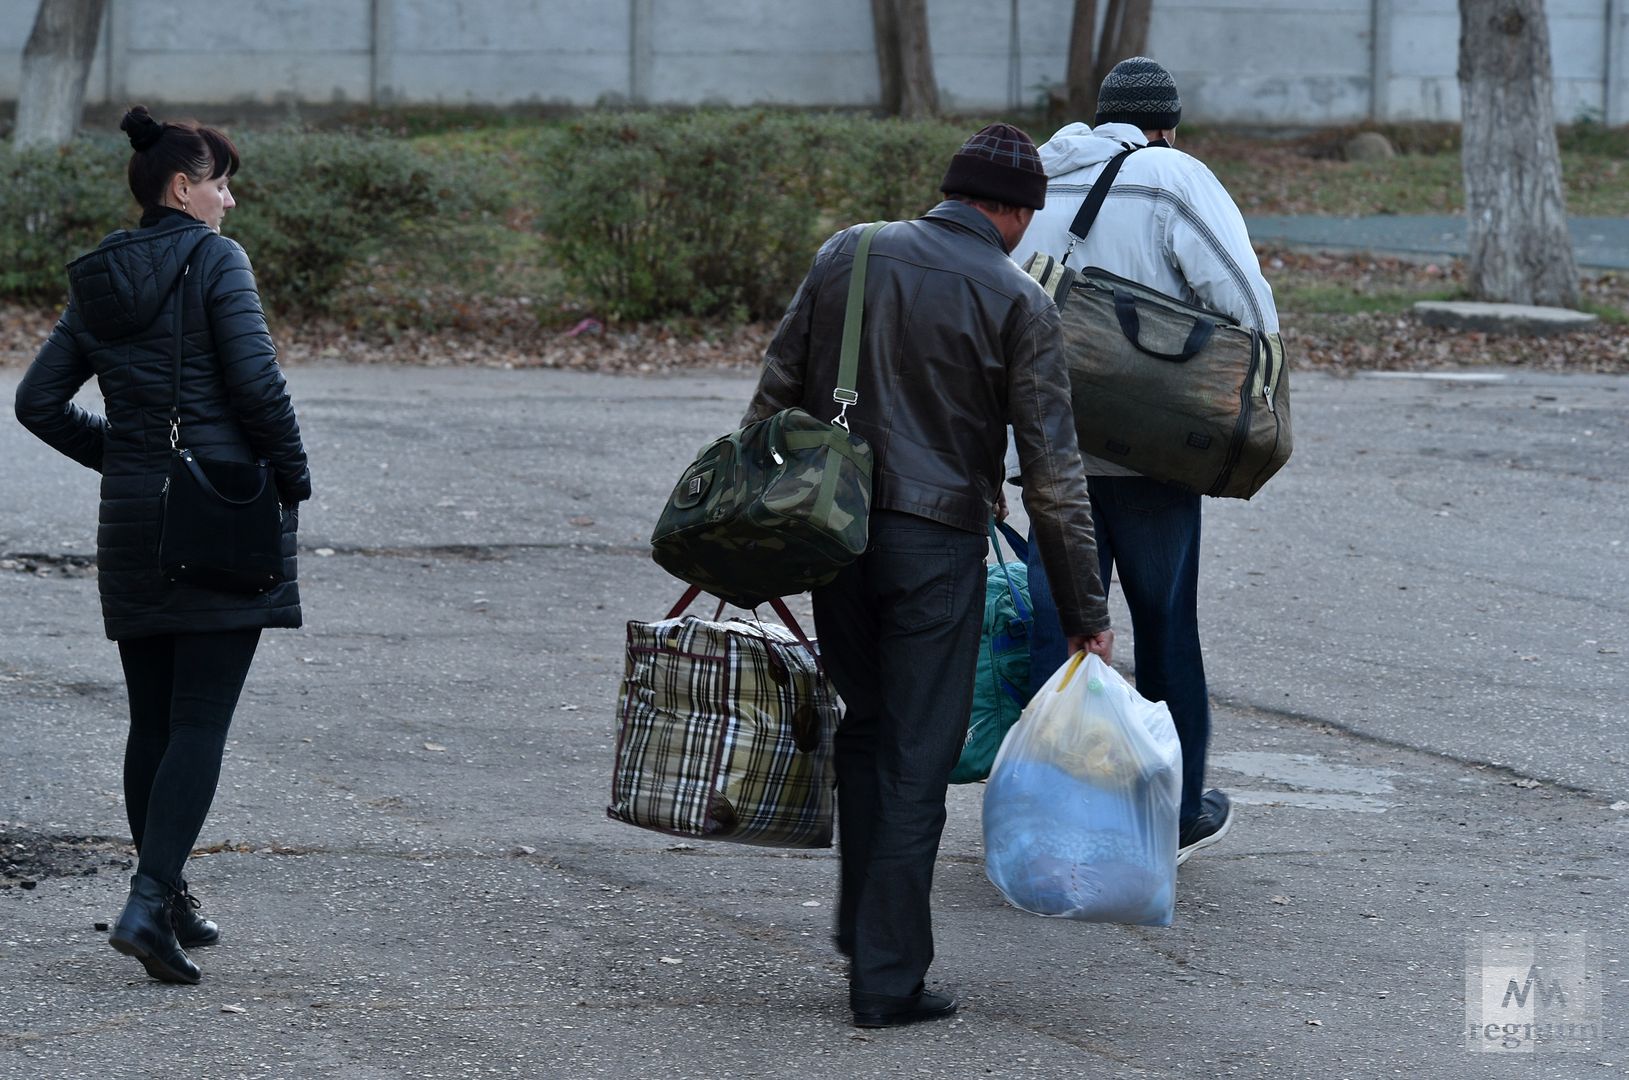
(119, 327)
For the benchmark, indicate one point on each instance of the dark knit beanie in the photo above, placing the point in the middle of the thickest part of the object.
(999, 164)
(1139, 92)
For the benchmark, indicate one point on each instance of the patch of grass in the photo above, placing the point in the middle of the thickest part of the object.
(1307, 175)
(1299, 299)
(1608, 313)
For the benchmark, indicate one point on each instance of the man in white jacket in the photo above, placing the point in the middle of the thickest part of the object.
(1169, 224)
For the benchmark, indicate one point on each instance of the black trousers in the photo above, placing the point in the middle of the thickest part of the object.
(899, 631)
(183, 689)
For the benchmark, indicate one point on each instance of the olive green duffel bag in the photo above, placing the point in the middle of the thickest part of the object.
(1167, 389)
(1172, 391)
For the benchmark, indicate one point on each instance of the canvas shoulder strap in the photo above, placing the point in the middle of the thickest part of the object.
(848, 362)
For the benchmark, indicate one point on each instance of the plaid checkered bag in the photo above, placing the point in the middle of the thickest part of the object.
(726, 732)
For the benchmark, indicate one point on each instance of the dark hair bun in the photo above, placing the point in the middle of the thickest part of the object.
(143, 130)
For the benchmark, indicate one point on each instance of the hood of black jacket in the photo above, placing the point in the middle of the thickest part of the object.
(120, 288)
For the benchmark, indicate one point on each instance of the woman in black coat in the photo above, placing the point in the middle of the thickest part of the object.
(185, 649)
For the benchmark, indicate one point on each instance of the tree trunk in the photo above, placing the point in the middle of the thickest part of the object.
(1081, 80)
(886, 35)
(1125, 34)
(56, 63)
(918, 90)
(1520, 249)
(905, 58)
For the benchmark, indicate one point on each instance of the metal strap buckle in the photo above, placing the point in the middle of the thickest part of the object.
(845, 398)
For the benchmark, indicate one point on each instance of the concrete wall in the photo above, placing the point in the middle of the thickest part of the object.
(1293, 62)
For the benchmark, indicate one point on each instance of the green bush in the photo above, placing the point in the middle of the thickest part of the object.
(656, 215)
(633, 215)
(887, 169)
(650, 216)
(55, 205)
(311, 207)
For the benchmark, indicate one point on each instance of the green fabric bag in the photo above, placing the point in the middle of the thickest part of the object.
(775, 508)
(782, 505)
(1003, 669)
(1170, 390)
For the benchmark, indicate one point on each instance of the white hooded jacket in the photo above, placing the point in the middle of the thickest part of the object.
(1167, 223)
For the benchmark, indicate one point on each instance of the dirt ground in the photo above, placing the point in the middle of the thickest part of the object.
(1340, 313)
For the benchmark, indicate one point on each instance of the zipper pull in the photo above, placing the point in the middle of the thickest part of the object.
(1267, 393)
(776, 455)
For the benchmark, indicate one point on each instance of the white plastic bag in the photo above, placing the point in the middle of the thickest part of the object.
(1080, 814)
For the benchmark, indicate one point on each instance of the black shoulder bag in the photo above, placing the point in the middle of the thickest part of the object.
(220, 522)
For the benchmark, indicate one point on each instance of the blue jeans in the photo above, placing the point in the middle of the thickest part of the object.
(1149, 532)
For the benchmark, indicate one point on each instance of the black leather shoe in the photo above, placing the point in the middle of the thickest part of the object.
(883, 1010)
(144, 931)
(191, 929)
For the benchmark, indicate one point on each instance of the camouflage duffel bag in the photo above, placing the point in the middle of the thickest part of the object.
(725, 732)
(776, 508)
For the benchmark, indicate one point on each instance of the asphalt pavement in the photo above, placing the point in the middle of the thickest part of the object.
(1418, 643)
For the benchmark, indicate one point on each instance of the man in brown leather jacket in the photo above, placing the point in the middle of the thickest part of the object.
(957, 343)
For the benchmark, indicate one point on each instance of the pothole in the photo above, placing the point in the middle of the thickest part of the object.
(28, 856)
(41, 564)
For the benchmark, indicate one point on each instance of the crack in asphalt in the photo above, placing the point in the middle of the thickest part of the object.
(1337, 727)
(475, 552)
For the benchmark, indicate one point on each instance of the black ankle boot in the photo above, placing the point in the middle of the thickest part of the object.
(191, 929)
(144, 931)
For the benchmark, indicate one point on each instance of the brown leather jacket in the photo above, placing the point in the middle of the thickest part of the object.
(958, 342)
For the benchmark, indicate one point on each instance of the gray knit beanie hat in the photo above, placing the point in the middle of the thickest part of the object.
(1139, 92)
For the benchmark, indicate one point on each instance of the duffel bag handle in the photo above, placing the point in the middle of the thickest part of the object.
(776, 605)
(1125, 307)
(1020, 548)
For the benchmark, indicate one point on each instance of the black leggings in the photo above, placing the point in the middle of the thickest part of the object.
(183, 688)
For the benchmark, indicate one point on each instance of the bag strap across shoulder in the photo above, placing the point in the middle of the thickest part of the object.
(848, 363)
(175, 350)
(1094, 200)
